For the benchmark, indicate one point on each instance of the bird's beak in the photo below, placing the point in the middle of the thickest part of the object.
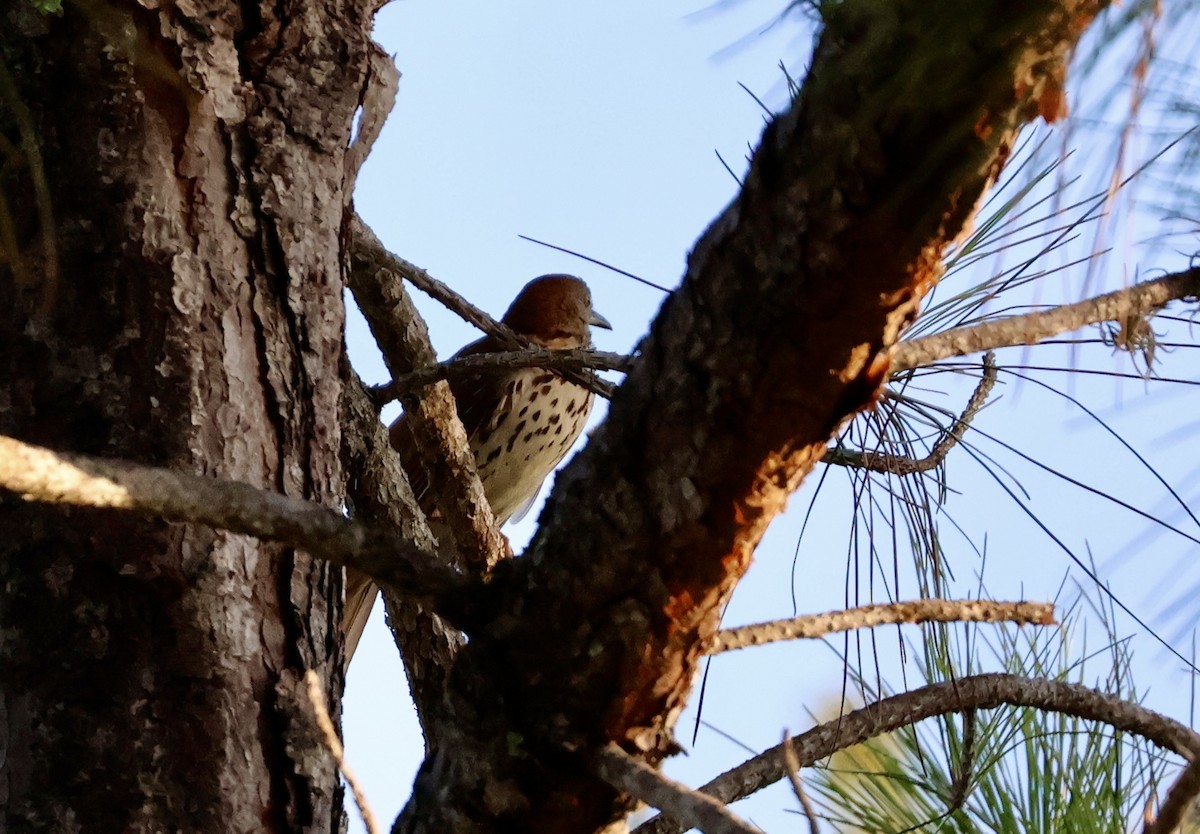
(597, 320)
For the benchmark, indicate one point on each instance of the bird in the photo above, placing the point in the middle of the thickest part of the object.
(520, 423)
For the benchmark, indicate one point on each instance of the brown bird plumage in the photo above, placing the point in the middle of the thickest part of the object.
(519, 423)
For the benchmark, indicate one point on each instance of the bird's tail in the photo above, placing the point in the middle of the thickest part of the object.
(360, 598)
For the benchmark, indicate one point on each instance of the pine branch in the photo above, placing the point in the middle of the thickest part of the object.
(901, 465)
(813, 626)
(975, 692)
(1030, 328)
(381, 494)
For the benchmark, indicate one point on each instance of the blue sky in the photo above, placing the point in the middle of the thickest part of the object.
(595, 126)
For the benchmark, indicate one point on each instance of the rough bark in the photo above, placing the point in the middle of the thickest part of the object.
(780, 330)
(193, 155)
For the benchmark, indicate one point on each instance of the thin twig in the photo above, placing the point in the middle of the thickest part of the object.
(1178, 800)
(960, 789)
(365, 246)
(690, 808)
(607, 266)
(901, 465)
(793, 773)
(38, 474)
(474, 365)
(813, 626)
(317, 698)
(975, 692)
(1031, 328)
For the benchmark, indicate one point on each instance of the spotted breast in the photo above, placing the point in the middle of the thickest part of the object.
(520, 423)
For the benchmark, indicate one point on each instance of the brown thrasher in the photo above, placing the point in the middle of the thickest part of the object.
(520, 423)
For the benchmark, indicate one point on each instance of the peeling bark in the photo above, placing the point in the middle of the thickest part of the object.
(194, 155)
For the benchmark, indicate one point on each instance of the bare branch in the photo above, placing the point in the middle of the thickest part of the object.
(377, 485)
(899, 465)
(365, 247)
(334, 744)
(976, 692)
(375, 478)
(692, 809)
(468, 366)
(868, 616)
(1179, 799)
(1031, 328)
(38, 474)
(441, 439)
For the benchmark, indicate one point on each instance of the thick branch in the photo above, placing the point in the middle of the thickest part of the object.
(1030, 328)
(977, 692)
(441, 439)
(869, 616)
(381, 494)
(376, 480)
(690, 808)
(38, 474)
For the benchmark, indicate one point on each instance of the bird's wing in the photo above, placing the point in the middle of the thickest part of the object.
(526, 506)
(480, 400)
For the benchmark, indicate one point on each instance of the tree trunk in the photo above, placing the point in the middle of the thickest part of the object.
(171, 294)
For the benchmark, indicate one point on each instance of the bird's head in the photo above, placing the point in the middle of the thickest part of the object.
(555, 311)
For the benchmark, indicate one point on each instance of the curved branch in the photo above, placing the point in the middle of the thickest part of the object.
(1031, 328)
(38, 474)
(1179, 799)
(900, 465)
(976, 692)
(868, 616)
(316, 699)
